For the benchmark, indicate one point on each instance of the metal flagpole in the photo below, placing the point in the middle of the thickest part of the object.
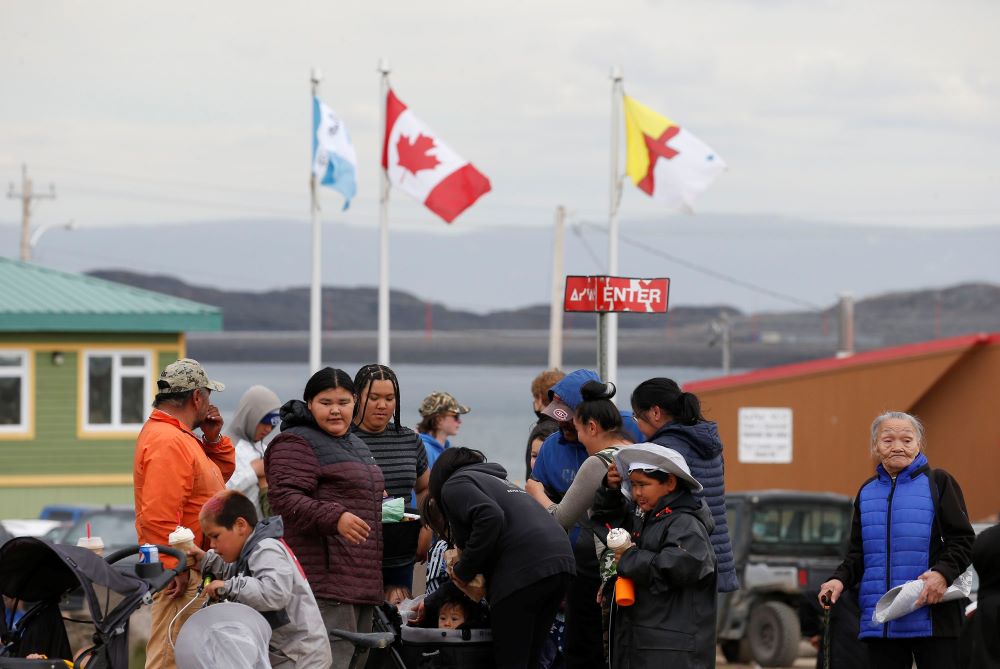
(315, 303)
(383, 227)
(558, 290)
(608, 323)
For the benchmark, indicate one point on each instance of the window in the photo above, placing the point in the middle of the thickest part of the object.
(818, 529)
(14, 397)
(116, 390)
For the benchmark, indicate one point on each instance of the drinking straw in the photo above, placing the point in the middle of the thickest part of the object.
(88, 529)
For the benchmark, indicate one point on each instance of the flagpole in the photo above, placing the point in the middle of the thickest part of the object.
(558, 290)
(608, 323)
(315, 290)
(383, 227)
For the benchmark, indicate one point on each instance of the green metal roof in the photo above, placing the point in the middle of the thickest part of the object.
(38, 299)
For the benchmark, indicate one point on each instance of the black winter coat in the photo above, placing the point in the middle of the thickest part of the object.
(673, 567)
(314, 478)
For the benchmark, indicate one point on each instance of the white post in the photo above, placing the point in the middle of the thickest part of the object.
(315, 290)
(558, 290)
(383, 230)
(610, 321)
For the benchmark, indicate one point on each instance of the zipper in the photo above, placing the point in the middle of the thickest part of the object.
(888, 545)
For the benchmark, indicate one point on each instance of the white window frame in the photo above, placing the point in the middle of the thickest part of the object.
(117, 373)
(23, 371)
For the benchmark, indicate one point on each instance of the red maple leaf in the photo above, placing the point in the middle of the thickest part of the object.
(414, 155)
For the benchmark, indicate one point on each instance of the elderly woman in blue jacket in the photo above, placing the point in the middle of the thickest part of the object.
(910, 522)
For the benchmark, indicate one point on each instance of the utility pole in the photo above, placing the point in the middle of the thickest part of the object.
(26, 195)
(558, 291)
(722, 330)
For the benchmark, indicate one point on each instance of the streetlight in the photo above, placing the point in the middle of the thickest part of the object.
(42, 229)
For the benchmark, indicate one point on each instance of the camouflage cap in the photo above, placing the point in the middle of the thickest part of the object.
(440, 402)
(184, 375)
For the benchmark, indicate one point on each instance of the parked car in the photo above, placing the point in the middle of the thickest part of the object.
(115, 525)
(30, 527)
(785, 544)
(69, 513)
(5, 536)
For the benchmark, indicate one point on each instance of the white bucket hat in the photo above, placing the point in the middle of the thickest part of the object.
(653, 457)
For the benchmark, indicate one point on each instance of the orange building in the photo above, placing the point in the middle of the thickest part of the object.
(807, 426)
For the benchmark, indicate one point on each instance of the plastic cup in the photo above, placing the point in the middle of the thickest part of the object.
(93, 544)
(624, 591)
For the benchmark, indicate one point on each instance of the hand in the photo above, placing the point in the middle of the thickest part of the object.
(197, 555)
(418, 613)
(831, 589)
(258, 468)
(213, 589)
(621, 551)
(178, 586)
(614, 478)
(600, 594)
(352, 528)
(211, 427)
(814, 641)
(934, 588)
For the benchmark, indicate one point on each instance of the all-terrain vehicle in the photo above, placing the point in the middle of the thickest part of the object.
(785, 544)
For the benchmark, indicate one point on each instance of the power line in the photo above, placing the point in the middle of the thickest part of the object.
(711, 272)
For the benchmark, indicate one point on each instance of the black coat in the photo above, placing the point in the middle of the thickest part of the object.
(504, 534)
(673, 568)
(846, 650)
(980, 642)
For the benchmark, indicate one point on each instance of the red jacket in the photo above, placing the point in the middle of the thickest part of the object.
(175, 473)
(313, 479)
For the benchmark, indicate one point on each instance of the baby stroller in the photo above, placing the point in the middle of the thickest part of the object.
(397, 646)
(40, 574)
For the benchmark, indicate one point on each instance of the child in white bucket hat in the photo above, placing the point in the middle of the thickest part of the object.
(649, 493)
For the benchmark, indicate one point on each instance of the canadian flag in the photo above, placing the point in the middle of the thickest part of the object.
(425, 168)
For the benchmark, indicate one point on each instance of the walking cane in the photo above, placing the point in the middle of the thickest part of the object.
(827, 604)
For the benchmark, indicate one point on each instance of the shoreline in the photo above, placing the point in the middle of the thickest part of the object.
(496, 348)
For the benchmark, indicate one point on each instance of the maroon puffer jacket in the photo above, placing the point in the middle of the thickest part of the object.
(314, 478)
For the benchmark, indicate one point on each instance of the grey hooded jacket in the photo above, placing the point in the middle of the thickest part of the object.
(268, 579)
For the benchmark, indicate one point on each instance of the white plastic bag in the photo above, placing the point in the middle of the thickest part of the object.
(902, 599)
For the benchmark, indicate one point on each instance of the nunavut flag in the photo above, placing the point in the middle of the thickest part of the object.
(664, 160)
(418, 163)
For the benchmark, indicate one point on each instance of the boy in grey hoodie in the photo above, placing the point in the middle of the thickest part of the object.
(251, 564)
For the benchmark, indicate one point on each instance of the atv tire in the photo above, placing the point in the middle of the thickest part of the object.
(774, 634)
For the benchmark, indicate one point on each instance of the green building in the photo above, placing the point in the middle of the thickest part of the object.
(79, 358)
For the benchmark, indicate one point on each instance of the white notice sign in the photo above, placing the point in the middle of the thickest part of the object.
(765, 435)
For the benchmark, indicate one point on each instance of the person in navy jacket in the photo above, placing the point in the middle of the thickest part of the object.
(910, 522)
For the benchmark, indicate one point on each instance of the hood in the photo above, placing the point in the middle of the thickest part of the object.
(702, 438)
(256, 403)
(295, 413)
(269, 528)
(491, 468)
(568, 388)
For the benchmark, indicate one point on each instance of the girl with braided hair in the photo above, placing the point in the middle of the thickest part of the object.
(398, 451)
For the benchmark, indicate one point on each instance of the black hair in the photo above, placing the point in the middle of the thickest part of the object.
(432, 517)
(226, 506)
(325, 379)
(461, 601)
(363, 380)
(682, 407)
(450, 460)
(175, 399)
(597, 406)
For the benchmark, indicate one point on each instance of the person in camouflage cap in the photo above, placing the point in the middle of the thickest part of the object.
(175, 471)
(440, 418)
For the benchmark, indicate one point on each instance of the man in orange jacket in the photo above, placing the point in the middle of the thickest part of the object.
(175, 472)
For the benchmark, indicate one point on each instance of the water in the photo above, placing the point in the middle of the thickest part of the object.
(500, 397)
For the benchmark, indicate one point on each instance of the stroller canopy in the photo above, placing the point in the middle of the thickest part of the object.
(34, 570)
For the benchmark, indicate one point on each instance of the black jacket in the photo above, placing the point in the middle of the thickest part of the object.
(980, 642)
(504, 534)
(673, 567)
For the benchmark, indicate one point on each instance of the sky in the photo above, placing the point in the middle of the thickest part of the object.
(843, 113)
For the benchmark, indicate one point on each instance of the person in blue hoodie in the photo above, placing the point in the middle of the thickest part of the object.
(668, 416)
(910, 523)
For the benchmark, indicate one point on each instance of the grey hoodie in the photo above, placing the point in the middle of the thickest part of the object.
(268, 579)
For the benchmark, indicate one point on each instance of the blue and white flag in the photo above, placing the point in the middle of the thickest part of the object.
(334, 161)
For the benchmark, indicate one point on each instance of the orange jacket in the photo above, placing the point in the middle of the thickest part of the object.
(174, 473)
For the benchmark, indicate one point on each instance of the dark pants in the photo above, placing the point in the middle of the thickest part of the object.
(928, 652)
(584, 626)
(521, 622)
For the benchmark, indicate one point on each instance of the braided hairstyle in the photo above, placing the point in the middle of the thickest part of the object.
(363, 380)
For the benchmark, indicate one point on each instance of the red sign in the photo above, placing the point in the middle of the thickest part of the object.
(616, 293)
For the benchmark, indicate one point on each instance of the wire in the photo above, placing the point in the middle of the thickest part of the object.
(586, 245)
(711, 272)
(170, 627)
